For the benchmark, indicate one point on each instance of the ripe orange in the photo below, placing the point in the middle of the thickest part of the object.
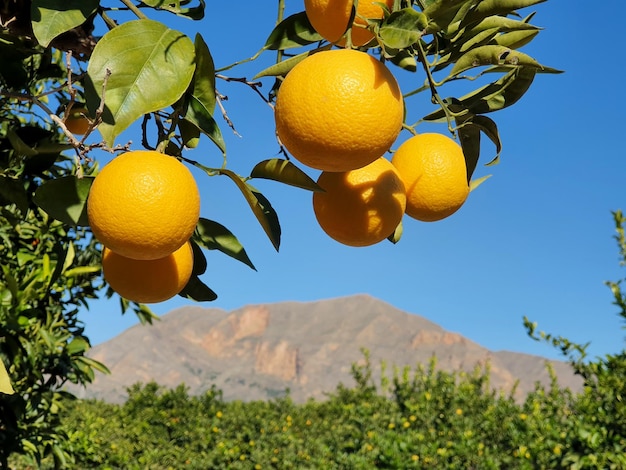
(330, 18)
(434, 172)
(339, 110)
(143, 205)
(77, 122)
(148, 281)
(360, 207)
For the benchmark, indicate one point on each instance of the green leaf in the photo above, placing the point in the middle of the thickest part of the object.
(516, 39)
(78, 345)
(214, 236)
(293, 31)
(442, 13)
(402, 28)
(5, 381)
(397, 234)
(200, 117)
(65, 199)
(50, 18)
(194, 13)
(284, 171)
(492, 55)
(12, 190)
(490, 129)
(199, 260)
(487, 8)
(477, 182)
(283, 67)
(497, 95)
(203, 83)
(261, 207)
(198, 291)
(151, 67)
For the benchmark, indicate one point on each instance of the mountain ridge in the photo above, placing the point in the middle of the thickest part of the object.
(259, 351)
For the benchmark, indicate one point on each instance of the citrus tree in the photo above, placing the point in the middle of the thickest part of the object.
(76, 74)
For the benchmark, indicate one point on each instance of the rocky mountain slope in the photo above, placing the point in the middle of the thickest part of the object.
(259, 351)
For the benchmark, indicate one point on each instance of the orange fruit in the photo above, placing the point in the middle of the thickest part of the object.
(338, 110)
(143, 205)
(148, 281)
(77, 122)
(434, 172)
(330, 18)
(360, 207)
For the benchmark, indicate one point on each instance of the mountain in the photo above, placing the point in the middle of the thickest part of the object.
(259, 351)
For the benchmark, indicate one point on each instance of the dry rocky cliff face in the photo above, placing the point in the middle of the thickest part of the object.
(258, 352)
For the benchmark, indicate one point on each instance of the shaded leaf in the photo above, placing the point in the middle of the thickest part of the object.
(261, 207)
(293, 31)
(284, 171)
(65, 199)
(13, 191)
(198, 291)
(50, 18)
(151, 67)
(214, 236)
(199, 260)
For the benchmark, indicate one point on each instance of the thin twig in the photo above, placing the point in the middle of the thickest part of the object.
(219, 100)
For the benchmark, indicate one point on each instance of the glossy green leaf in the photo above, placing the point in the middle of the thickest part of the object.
(5, 381)
(261, 207)
(284, 171)
(293, 31)
(214, 236)
(65, 199)
(151, 67)
(176, 7)
(402, 28)
(198, 291)
(50, 18)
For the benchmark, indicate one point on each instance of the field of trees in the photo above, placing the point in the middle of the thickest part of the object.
(420, 418)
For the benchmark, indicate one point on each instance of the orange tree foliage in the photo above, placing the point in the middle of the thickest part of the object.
(57, 56)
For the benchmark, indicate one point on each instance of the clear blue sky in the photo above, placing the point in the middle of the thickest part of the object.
(535, 239)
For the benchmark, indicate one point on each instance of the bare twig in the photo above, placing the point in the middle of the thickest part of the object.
(219, 100)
